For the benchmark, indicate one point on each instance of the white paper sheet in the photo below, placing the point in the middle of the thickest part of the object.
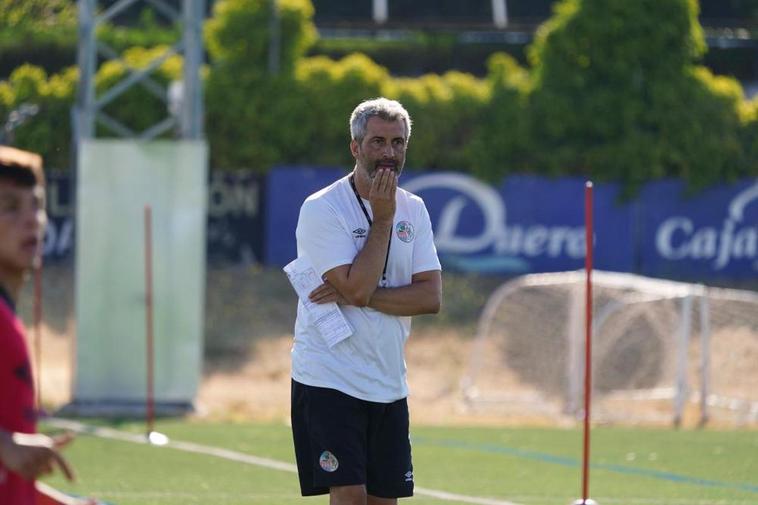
(326, 317)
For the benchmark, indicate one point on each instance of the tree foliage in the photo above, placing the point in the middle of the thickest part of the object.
(49, 131)
(239, 33)
(613, 91)
(617, 95)
(53, 14)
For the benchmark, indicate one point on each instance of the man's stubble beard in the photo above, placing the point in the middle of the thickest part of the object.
(374, 168)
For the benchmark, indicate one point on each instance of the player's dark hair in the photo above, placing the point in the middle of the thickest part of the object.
(21, 167)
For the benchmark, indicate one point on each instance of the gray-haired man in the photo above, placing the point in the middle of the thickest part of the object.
(372, 244)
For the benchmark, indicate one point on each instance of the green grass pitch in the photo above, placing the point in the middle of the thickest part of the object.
(527, 466)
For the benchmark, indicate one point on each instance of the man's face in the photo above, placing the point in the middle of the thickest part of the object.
(22, 224)
(383, 146)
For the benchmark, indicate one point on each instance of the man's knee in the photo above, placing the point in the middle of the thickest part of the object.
(347, 495)
(375, 500)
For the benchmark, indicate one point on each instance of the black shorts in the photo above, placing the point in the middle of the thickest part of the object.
(344, 441)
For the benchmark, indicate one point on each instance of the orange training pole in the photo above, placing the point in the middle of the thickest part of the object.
(38, 331)
(150, 407)
(588, 338)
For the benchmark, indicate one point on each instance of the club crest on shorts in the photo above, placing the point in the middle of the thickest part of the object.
(404, 231)
(328, 462)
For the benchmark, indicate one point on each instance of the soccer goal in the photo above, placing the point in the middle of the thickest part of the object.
(663, 351)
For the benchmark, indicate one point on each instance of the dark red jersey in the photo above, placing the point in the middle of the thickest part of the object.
(17, 409)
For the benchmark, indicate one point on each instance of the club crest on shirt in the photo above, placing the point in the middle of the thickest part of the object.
(359, 233)
(328, 462)
(404, 231)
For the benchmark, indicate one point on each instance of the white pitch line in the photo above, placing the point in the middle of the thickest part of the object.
(444, 495)
(243, 458)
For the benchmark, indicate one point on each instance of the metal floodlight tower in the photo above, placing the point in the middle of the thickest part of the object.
(89, 108)
(170, 178)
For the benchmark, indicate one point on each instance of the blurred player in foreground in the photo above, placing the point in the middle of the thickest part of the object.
(24, 454)
(372, 244)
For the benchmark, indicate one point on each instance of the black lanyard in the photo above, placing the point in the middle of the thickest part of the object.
(370, 222)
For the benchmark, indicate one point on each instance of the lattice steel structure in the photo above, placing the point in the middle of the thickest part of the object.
(89, 108)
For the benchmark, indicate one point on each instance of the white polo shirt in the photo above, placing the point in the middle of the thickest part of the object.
(331, 231)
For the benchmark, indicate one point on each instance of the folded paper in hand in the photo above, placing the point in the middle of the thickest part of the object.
(326, 317)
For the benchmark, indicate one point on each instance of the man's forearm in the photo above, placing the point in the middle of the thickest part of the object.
(367, 268)
(411, 300)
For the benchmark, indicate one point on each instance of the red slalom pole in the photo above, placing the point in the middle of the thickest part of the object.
(38, 331)
(150, 407)
(589, 236)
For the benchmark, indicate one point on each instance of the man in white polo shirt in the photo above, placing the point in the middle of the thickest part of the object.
(372, 244)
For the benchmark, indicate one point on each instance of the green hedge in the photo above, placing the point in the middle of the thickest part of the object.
(253, 115)
(612, 91)
(416, 53)
(49, 132)
(44, 33)
(41, 31)
(617, 96)
(446, 111)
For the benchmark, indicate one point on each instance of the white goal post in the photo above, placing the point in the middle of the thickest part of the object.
(648, 366)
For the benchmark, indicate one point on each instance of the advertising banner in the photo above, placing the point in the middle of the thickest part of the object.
(713, 234)
(288, 187)
(235, 221)
(532, 224)
(528, 224)
(525, 224)
(59, 233)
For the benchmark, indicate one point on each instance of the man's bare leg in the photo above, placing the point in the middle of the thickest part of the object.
(348, 495)
(356, 495)
(375, 500)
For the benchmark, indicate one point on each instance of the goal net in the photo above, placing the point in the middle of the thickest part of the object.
(662, 351)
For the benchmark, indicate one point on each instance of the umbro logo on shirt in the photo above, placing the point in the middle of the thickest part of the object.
(359, 233)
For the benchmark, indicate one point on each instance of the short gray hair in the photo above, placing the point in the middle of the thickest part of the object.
(389, 110)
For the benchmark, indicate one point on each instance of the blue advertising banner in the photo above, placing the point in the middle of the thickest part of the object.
(535, 224)
(288, 187)
(59, 233)
(711, 235)
(235, 217)
(525, 224)
(528, 224)
(235, 220)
